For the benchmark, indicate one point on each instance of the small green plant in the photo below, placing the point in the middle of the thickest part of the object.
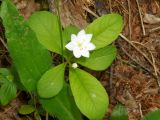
(61, 96)
(154, 115)
(119, 113)
(7, 86)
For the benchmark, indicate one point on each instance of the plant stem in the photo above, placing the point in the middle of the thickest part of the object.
(46, 115)
(60, 28)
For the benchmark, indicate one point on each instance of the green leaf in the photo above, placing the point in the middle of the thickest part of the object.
(4, 71)
(29, 57)
(17, 80)
(37, 116)
(62, 106)
(46, 27)
(26, 109)
(51, 82)
(155, 115)
(105, 29)
(119, 113)
(99, 59)
(7, 87)
(90, 97)
(7, 92)
(67, 38)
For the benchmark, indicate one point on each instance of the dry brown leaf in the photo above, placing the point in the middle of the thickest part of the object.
(26, 7)
(151, 19)
(70, 15)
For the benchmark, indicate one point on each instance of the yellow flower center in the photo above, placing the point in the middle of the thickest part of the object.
(80, 45)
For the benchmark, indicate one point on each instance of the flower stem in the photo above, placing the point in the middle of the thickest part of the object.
(60, 28)
(46, 115)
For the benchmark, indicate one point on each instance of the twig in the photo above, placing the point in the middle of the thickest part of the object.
(131, 43)
(154, 29)
(129, 17)
(141, 19)
(110, 79)
(110, 6)
(143, 67)
(153, 59)
(140, 110)
(28, 117)
(125, 10)
(4, 44)
(154, 66)
(157, 4)
(90, 11)
(151, 63)
(7, 110)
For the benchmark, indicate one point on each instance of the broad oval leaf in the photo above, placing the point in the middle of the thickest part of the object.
(29, 57)
(51, 82)
(26, 109)
(105, 29)
(119, 113)
(155, 115)
(90, 96)
(62, 105)
(46, 27)
(99, 59)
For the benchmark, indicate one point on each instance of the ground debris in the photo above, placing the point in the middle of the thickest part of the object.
(26, 7)
(151, 19)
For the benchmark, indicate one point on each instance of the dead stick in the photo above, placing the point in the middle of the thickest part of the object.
(141, 19)
(129, 17)
(130, 42)
(4, 44)
(155, 29)
(158, 73)
(110, 6)
(136, 61)
(140, 110)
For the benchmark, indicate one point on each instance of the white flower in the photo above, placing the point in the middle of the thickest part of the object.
(81, 44)
(74, 65)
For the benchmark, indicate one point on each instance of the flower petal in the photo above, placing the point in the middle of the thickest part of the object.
(88, 37)
(70, 46)
(91, 46)
(81, 33)
(85, 53)
(81, 44)
(77, 53)
(73, 37)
